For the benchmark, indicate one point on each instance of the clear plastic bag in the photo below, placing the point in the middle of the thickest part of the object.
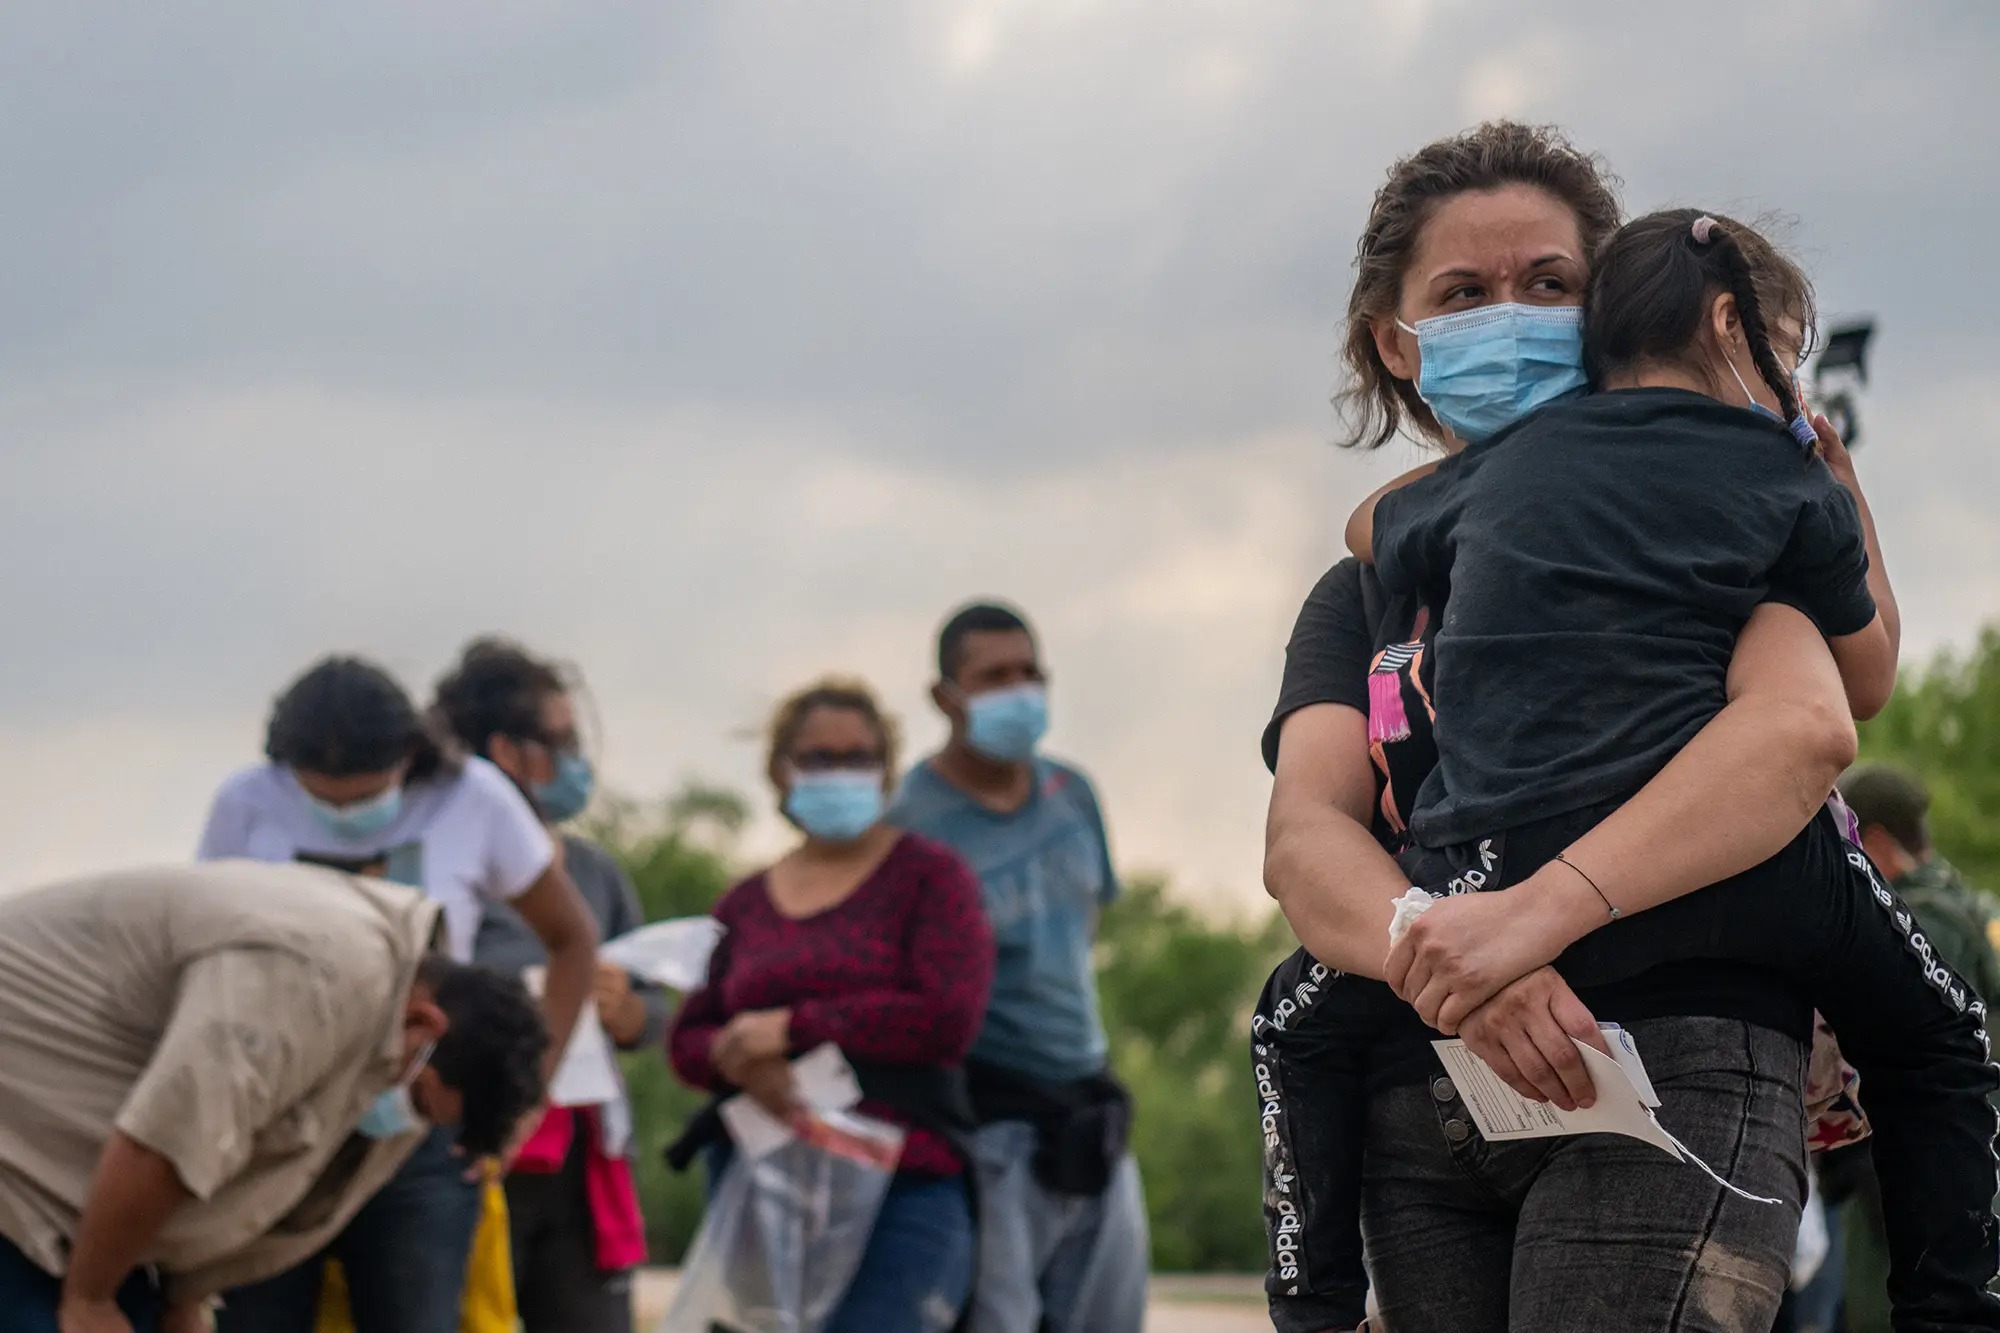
(1815, 1240)
(785, 1232)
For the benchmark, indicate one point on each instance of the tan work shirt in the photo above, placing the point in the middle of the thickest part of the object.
(236, 1018)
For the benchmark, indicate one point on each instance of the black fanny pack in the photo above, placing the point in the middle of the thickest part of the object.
(1081, 1128)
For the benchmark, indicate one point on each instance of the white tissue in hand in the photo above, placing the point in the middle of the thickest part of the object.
(1408, 908)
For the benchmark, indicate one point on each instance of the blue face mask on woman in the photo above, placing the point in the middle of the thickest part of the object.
(838, 806)
(1485, 369)
(1007, 724)
(564, 796)
(360, 820)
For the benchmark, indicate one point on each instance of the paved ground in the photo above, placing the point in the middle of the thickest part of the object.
(1180, 1305)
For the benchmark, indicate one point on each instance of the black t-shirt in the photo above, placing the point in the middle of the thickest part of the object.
(1358, 645)
(1597, 562)
(1355, 644)
(1326, 659)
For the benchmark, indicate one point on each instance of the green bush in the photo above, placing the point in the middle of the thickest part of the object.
(1177, 992)
(1944, 724)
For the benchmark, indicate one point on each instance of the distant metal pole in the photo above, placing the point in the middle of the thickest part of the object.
(1841, 374)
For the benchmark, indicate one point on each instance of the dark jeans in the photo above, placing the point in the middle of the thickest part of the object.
(917, 1271)
(1817, 914)
(29, 1298)
(404, 1255)
(1595, 1231)
(558, 1286)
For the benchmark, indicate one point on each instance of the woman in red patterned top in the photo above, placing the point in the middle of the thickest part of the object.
(874, 940)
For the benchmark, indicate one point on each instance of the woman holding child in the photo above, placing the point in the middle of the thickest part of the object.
(1641, 624)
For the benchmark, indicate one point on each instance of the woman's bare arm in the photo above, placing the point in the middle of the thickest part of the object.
(1335, 885)
(1749, 780)
(555, 911)
(1331, 879)
(1732, 798)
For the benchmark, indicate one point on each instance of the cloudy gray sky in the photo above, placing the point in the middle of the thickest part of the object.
(719, 345)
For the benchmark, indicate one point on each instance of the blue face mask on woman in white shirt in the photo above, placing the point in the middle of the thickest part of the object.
(359, 820)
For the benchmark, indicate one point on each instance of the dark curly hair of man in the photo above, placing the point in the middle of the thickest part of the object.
(492, 1052)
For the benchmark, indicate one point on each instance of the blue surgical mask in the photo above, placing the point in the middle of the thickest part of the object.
(1485, 369)
(361, 820)
(394, 1113)
(838, 806)
(1007, 724)
(564, 796)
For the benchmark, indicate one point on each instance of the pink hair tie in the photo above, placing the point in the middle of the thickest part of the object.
(1704, 229)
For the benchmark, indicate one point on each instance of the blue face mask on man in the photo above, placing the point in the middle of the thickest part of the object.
(359, 820)
(1007, 724)
(1485, 369)
(564, 796)
(837, 806)
(394, 1113)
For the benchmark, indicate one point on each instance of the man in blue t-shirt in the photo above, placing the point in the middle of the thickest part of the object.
(1062, 1221)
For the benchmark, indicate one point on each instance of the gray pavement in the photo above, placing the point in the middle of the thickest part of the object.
(1180, 1304)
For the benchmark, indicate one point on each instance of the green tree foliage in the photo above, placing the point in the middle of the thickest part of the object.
(1176, 987)
(1944, 725)
(1177, 991)
(678, 853)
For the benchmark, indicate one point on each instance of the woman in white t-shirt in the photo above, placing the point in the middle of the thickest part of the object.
(357, 781)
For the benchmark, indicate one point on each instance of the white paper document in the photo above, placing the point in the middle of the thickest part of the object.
(1503, 1114)
(1626, 1052)
(824, 1082)
(1625, 1102)
(588, 1073)
(673, 953)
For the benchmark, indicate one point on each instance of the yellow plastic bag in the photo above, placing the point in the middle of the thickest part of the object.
(489, 1280)
(333, 1313)
(488, 1306)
